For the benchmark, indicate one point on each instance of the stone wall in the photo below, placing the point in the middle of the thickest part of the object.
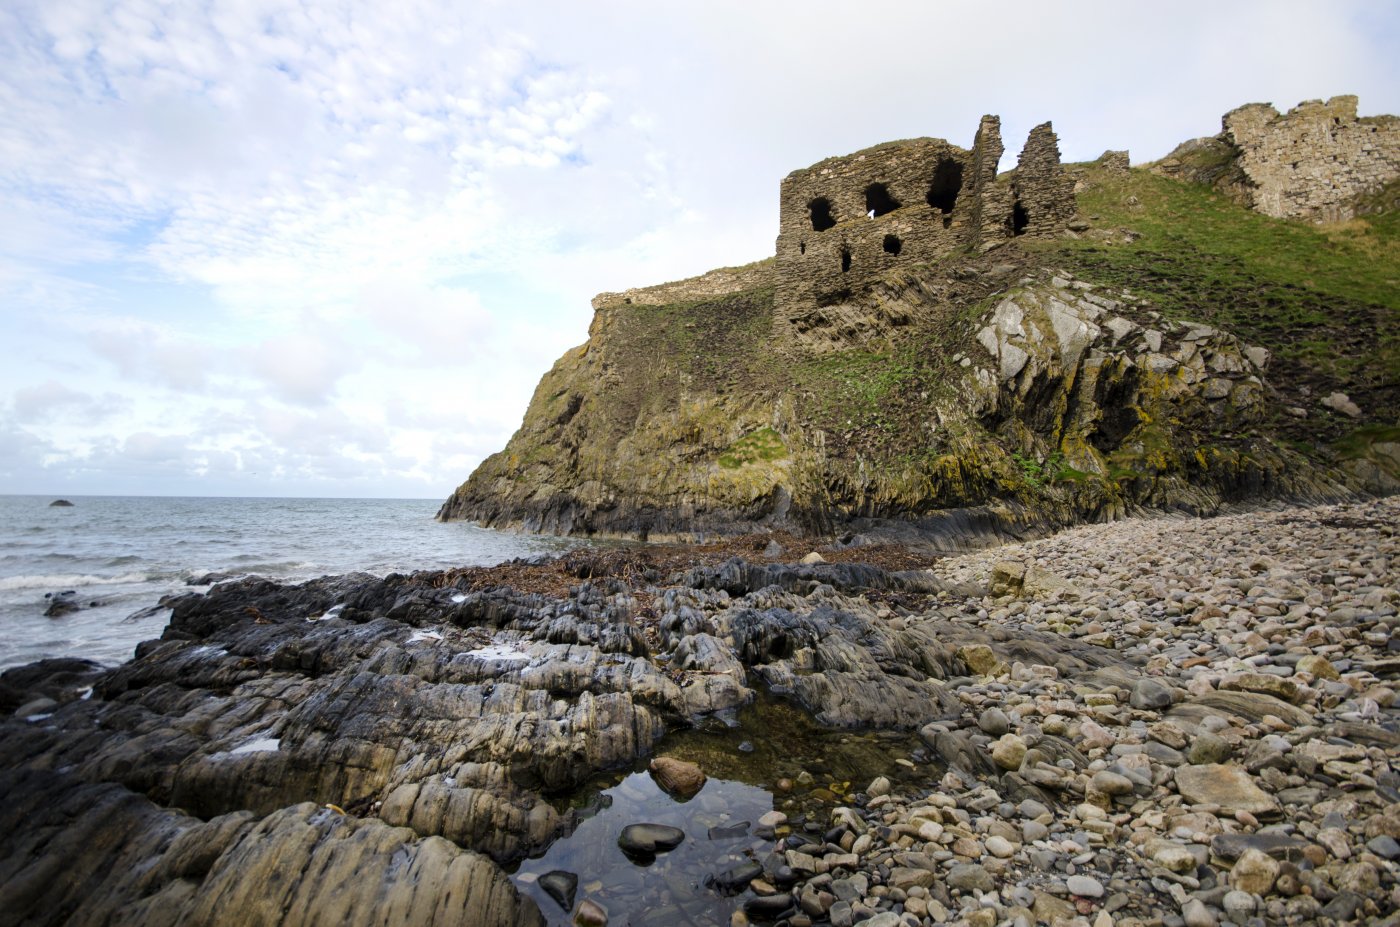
(992, 207)
(846, 221)
(1313, 161)
(1042, 195)
(719, 282)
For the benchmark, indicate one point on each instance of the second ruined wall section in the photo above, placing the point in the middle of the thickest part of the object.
(1313, 161)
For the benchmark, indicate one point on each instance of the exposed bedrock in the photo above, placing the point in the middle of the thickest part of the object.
(356, 725)
(397, 741)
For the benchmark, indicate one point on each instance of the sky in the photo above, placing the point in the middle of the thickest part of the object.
(274, 248)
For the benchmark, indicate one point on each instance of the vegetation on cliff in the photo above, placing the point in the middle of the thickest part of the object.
(1175, 351)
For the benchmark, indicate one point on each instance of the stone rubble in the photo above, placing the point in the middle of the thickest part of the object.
(1247, 776)
(1151, 723)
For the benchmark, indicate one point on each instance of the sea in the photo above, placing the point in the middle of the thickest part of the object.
(119, 555)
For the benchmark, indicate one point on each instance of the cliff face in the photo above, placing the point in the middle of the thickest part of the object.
(1050, 400)
(989, 390)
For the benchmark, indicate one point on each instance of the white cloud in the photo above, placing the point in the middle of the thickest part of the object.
(51, 400)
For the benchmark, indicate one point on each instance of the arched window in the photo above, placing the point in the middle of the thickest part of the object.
(820, 210)
(943, 190)
(878, 200)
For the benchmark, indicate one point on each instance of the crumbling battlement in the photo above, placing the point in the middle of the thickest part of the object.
(720, 282)
(1312, 162)
(845, 221)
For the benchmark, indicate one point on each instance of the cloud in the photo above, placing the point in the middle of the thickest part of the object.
(150, 353)
(301, 368)
(51, 400)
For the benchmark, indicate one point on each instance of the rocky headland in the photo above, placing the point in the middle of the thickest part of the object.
(953, 357)
(874, 686)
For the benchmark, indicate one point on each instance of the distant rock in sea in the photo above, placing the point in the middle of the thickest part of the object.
(61, 503)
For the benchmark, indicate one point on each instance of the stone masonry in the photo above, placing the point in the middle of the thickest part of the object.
(709, 285)
(847, 220)
(1312, 162)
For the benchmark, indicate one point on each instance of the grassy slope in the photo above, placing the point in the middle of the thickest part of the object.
(1325, 300)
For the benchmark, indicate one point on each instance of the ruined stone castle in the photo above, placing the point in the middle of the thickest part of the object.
(846, 221)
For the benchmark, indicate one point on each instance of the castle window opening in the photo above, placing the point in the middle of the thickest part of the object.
(820, 208)
(878, 200)
(943, 190)
(801, 247)
(1019, 219)
(845, 259)
(893, 245)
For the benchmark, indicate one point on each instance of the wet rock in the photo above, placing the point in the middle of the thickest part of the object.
(734, 880)
(560, 886)
(591, 914)
(678, 778)
(37, 708)
(61, 503)
(62, 603)
(768, 907)
(647, 840)
(136, 859)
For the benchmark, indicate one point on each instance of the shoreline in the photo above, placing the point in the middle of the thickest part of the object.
(1149, 721)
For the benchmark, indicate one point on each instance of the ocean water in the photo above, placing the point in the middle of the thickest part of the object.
(120, 554)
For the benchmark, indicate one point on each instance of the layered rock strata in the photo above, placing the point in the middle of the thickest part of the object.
(1144, 721)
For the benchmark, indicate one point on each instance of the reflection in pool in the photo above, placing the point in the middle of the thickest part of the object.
(775, 747)
(671, 890)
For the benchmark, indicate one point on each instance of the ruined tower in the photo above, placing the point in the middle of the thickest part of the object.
(847, 220)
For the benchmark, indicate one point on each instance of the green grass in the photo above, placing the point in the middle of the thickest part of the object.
(1325, 300)
(1357, 444)
(763, 444)
(703, 347)
(861, 398)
